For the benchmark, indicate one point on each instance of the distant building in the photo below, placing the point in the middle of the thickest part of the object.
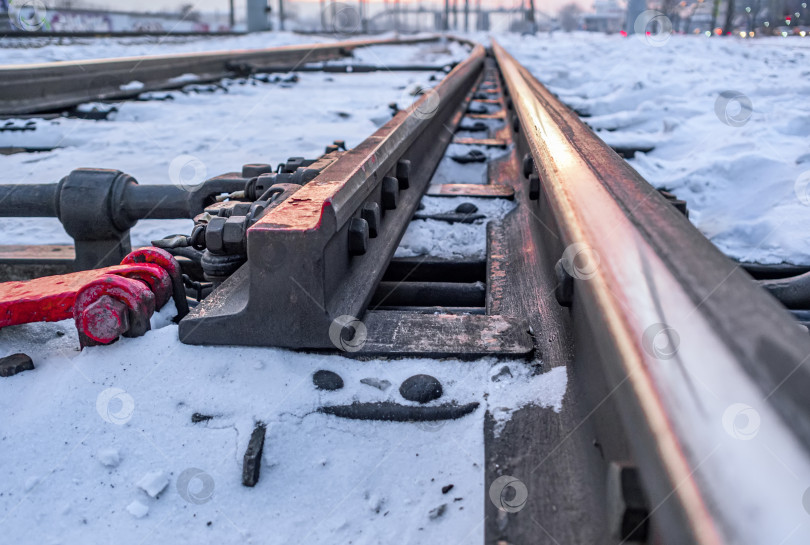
(608, 17)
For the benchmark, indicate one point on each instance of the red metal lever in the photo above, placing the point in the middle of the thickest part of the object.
(104, 303)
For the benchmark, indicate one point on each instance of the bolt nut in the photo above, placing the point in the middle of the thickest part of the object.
(255, 170)
(564, 291)
(404, 173)
(390, 193)
(105, 319)
(534, 187)
(213, 235)
(516, 124)
(234, 234)
(528, 164)
(358, 236)
(371, 213)
(628, 511)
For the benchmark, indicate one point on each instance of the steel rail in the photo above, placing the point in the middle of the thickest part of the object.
(299, 260)
(654, 280)
(32, 88)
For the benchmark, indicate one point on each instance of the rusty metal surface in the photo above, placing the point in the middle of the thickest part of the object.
(654, 280)
(299, 263)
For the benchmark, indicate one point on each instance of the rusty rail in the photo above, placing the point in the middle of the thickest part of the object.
(681, 333)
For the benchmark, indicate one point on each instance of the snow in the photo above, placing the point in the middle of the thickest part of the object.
(727, 117)
(323, 479)
(457, 240)
(32, 50)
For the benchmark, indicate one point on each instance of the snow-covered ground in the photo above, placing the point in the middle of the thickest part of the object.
(99, 446)
(729, 120)
(36, 50)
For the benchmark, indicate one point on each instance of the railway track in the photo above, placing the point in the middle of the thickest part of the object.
(593, 271)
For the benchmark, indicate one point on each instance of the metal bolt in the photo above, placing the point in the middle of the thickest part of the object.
(564, 291)
(528, 164)
(509, 103)
(255, 170)
(534, 187)
(390, 193)
(234, 235)
(404, 173)
(105, 319)
(628, 511)
(358, 236)
(330, 148)
(213, 235)
(371, 213)
(516, 124)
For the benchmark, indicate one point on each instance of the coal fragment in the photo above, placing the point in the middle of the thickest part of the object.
(327, 380)
(15, 363)
(502, 374)
(253, 456)
(197, 417)
(466, 208)
(446, 489)
(394, 412)
(421, 388)
(439, 511)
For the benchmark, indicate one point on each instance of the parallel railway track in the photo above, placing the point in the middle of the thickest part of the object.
(593, 270)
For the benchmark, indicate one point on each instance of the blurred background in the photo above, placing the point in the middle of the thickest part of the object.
(743, 18)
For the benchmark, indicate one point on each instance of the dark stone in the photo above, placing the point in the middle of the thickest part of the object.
(502, 374)
(197, 417)
(327, 380)
(438, 512)
(394, 412)
(16, 363)
(253, 456)
(446, 489)
(421, 388)
(466, 208)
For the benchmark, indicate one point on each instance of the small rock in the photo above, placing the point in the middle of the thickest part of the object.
(502, 374)
(439, 511)
(137, 509)
(16, 363)
(446, 489)
(421, 388)
(466, 208)
(376, 383)
(153, 483)
(327, 380)
(252, 462)
(198, 417)
(109, 457)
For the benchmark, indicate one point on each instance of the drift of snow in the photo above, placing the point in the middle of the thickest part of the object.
(323, 479)
(727, 117)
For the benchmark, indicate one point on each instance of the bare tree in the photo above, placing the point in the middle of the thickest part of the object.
(569, 17)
